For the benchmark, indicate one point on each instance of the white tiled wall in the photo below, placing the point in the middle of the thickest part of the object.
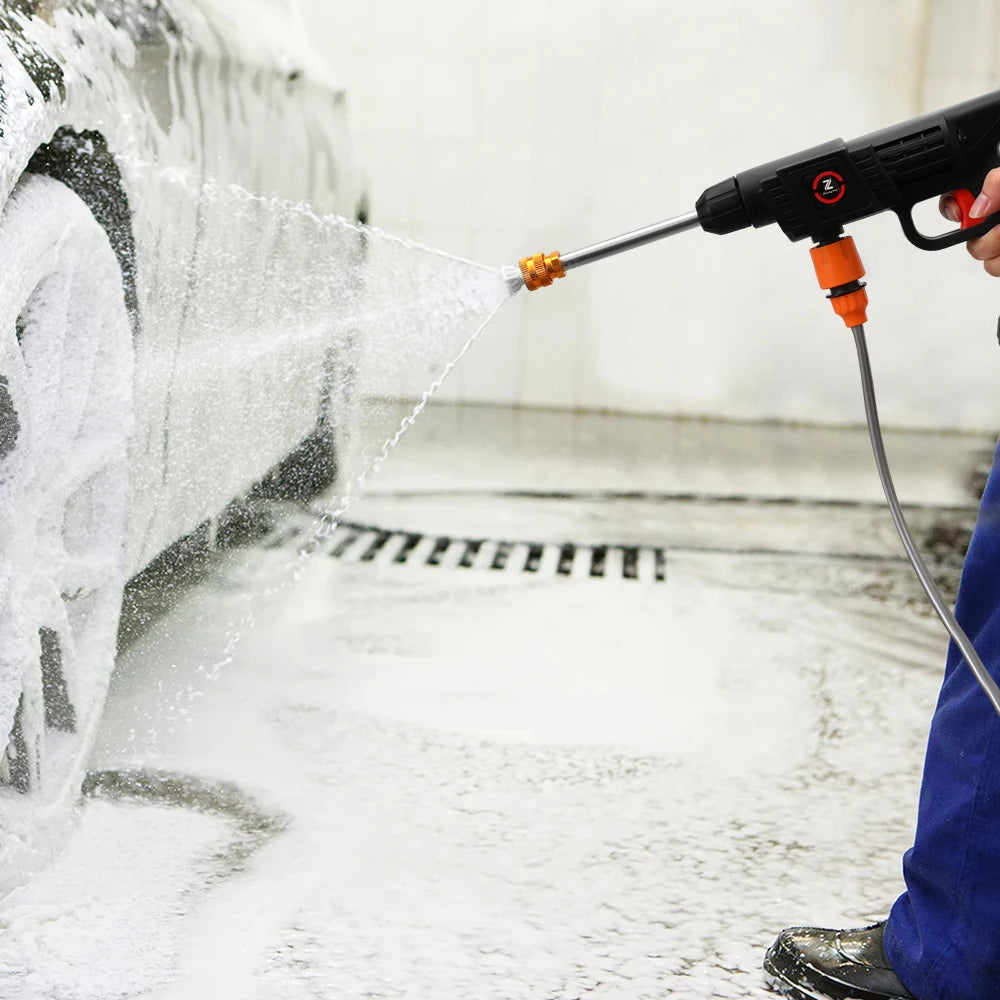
(497, 130)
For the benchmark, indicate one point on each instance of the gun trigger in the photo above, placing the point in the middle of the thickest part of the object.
(965, 199)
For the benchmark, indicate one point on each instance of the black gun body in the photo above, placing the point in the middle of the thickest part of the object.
(818, 191)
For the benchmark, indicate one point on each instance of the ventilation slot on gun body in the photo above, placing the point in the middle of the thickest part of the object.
(915, 155)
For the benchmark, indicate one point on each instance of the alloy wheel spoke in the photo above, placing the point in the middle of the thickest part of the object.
(20, 700)
(15, 411)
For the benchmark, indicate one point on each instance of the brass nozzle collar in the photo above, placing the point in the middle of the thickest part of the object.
(541, 270)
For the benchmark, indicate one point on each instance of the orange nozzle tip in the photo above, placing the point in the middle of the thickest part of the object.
(541, 270)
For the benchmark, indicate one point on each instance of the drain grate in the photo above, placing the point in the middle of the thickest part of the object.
(357, 543)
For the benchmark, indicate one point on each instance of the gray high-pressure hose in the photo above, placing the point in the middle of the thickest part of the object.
(542, 269)
(934, 595)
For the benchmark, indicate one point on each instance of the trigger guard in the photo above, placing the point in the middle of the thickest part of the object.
(921, 242)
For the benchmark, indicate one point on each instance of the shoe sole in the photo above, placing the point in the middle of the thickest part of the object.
(777, 983)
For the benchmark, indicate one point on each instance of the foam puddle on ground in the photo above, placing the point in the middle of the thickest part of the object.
(500, 790)
(161, 838)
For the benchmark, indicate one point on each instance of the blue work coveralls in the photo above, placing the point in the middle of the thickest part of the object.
(943, 934)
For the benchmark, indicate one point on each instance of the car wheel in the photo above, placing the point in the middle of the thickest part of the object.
(65, 422)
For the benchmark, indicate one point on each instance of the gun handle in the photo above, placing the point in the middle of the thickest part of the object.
(970, 229)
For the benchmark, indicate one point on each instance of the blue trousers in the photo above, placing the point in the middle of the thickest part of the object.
(943, 934)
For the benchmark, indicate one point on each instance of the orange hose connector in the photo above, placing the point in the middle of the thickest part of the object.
(541, 270)
(839, 271)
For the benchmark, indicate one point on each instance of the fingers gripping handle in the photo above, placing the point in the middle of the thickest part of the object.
(969, 228)
(965, 200)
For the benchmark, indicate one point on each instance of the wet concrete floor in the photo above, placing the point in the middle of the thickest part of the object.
(579, 706)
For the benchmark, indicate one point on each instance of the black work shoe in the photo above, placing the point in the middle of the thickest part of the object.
(807, 963)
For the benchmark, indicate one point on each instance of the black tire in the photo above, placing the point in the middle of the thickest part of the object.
(306, 472)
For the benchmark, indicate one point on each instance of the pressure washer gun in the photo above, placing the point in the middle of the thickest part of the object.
(814, 194)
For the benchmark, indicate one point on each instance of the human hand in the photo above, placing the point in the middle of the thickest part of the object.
(986, 248)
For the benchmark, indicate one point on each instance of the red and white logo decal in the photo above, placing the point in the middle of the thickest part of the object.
(829, 187)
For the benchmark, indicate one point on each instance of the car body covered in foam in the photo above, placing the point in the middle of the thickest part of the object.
(140, 107)
(183, 85)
